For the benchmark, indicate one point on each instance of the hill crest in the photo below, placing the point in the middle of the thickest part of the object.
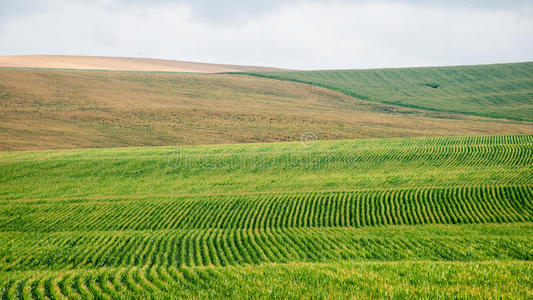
(120, 64)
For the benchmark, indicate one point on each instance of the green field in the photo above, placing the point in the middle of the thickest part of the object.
(497, 91)
(283, 281)
(436, 200)
(435, 217)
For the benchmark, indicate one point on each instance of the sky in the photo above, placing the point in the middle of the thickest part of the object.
(296, 34)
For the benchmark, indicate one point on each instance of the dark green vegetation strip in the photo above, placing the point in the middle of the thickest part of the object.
(465, 205)
(496, 91)
(222, 247)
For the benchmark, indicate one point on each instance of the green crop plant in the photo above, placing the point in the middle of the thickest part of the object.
(447, 217)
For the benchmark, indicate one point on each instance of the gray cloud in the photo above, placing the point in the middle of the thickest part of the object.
(233, 11)
(306, 34)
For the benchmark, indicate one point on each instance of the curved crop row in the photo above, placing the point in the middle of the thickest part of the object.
(438, 153)
(346, 165)
(485, 280)
(460, 205)
(339, 145)
(222, 247)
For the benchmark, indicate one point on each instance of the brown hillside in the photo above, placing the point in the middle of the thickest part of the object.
(50, 109)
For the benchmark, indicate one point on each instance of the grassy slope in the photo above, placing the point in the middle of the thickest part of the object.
(44, 109)
(149, 220)
(276, 167)
(424, 217)
(497, 91)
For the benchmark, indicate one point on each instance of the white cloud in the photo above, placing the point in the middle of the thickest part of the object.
(301, 34)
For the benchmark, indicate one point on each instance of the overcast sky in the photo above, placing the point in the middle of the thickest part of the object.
(299, 34)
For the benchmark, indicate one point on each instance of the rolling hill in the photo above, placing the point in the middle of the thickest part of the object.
(401, 183)
(407, 217)
(497, 91)
(53, 109)
(119, 64)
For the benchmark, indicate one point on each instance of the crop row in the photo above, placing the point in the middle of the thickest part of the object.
(482, 150)
(222, 247)
(444, 141)
(463, 151)
(341, 145)
(279, 281)
(460, 205)
(440, 156)
(340, 165)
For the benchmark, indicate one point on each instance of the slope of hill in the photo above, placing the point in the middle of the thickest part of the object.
(497, 91)
(427, 217)
(119, 64)
(448, 216)
(274, 167)
(45, 109)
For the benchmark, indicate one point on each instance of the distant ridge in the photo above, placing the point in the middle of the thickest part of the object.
(120, 64)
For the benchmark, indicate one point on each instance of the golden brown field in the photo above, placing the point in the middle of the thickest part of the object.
(45, 109)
